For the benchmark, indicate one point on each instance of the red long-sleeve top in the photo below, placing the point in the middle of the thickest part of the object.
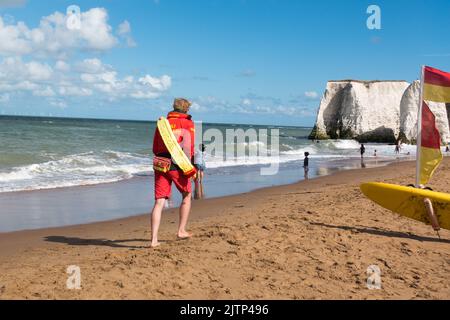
(184, 129)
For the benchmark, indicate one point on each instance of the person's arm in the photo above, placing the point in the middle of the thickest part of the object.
(156, 138)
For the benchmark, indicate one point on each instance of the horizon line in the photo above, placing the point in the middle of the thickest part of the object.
(132, 120)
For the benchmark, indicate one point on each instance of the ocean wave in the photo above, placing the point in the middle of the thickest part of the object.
(345, 144)
(74, 170)
(106, 166)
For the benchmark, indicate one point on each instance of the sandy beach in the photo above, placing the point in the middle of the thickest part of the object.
(309, 240)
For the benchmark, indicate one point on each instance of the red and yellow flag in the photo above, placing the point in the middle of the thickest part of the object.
(436, 88)
(436, 85)
(430, 147)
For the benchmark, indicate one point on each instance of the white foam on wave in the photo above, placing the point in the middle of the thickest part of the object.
(300, 152)
(346, 144)
(18, 174)
(110, 166)
(74, 170)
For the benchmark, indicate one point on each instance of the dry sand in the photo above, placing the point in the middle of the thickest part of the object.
(310, 240)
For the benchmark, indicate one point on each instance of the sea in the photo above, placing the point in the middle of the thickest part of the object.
(45, 153)
(59, 171)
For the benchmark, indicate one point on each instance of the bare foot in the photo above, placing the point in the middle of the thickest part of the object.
(155, 244)
(184, 235)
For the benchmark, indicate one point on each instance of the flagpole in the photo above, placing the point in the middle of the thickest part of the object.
(419, 128)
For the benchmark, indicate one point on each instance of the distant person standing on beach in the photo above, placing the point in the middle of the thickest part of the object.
(180, 121)
(447, 149)
(306, 164)
(199, 163)
(362, 149)
(398, 146)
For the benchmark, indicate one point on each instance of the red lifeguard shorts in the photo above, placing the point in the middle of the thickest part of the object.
(163, 183)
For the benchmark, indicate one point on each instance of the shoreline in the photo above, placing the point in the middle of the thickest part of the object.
(308, 240)
(49, 193)
(40, 209)
(385, 160)
(173, 210)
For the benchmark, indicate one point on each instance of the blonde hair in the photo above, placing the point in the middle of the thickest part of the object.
(181, 105)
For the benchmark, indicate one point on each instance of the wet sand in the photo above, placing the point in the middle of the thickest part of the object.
(309, 240)
(49, 208)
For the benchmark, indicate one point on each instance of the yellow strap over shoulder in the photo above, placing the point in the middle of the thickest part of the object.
(171, 143)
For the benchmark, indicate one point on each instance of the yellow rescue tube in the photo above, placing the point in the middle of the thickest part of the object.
(171, 143)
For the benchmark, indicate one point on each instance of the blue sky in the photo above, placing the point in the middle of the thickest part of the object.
(239, 61)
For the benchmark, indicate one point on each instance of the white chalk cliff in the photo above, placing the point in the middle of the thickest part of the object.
(373, 111)
(408, 114)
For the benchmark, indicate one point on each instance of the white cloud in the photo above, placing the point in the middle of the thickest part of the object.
(14, 69)
(75, 91)
(264, 106)
(139, 94)
(38, 71)
(124, 28)
(18, 86)
(26, 86)
(130, 42)
(36, 61)
(246, 102)
(45, 92)
(88, 77)
(53, 38)
(92, 66)
(11, 41)
(149, 87)
(58, 103)
(196, 107)
(311, 94)
(124, 31)
(62, 66)
(158, 84)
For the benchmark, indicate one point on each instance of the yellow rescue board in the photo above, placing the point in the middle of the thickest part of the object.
(408, 201)
(171, 143)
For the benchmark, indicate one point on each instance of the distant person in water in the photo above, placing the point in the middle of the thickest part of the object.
(362, 150)
(199, 163)
(306, 164)
(375, 153)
